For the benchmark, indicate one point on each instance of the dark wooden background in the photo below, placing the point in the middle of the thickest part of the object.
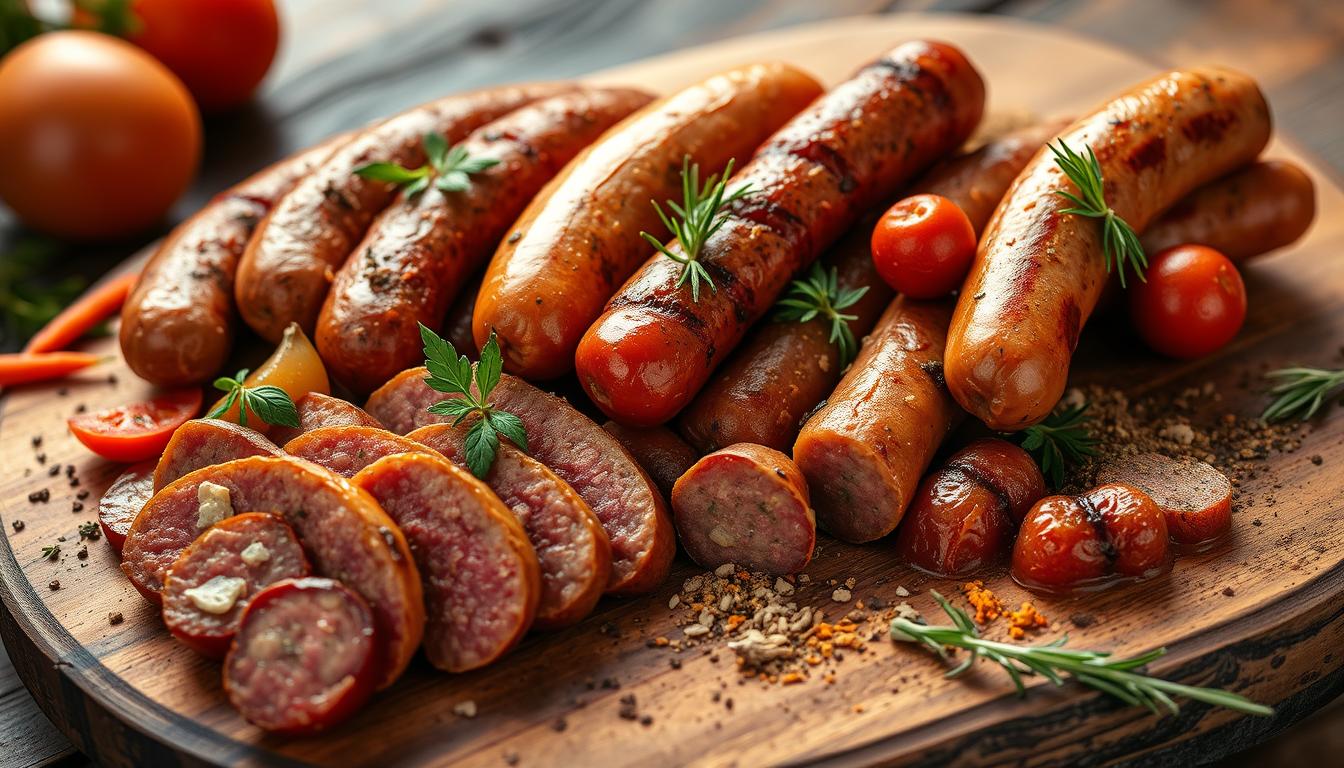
(346, 62)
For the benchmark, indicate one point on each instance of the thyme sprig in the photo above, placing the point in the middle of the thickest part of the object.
(819, 295)
(1119, 242)
(1063, 439)
(1300, 392)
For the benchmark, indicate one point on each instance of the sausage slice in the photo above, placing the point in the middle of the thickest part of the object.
(206, 442)
(123, 500)
(317, 410)
(347, 450)
(1195, 497)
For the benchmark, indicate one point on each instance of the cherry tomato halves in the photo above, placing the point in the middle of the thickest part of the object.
(1192, 304)
(923, 246)
(138, 431)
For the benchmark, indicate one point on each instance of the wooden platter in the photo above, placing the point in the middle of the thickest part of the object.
(1260, 614)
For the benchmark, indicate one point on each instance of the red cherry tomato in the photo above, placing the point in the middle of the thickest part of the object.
(923, 246)
(139, 431)
(1192, 304)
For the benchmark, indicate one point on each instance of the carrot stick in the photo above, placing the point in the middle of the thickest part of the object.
(88, 311)
(23, 368)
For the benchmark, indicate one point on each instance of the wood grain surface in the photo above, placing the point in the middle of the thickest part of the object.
(336, 73)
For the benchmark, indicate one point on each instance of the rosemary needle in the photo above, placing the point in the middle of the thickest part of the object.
(819, 295)
(1119, 242)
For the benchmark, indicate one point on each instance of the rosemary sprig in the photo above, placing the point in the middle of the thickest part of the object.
(698, 217)
(819, 295)
(1095, 669)
(270, 403)
(1119, 242)
(1061, 440)
(1300, 392)
(452, 373)
(452, 168)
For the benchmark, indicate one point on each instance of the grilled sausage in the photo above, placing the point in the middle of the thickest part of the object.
(580, 237)
(745, 504)
(1195, 497)
(289, 262)
(206, 442)
(123, 500)
(317, 410)
(581, 453)
(965, 514)
(305, 658)
(419, 251)
(343, 530)
(655, 346)
(663, 456)
(1038, 272)
(1249, 212)
(864, 451)
(212, 581)
(457, 324)
(572, 549)
(177, 325)
(347, 450)
(481, 575)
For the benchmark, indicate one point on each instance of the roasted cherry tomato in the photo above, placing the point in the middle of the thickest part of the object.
(139, 431)
(1192, 304)
(923, 246)
(97, 138)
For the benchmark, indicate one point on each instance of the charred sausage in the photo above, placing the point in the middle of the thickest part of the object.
(581, 453)
(289, 262)
(206, 442)
(748, 505)
(420, 250)
(580, 237)
(1195, 497)
(213, 580)
(481, 575)
(123, 500)
(177, 324)
(305, 658)
(864, 451)
(645, 358)
(572, 549)
(343, 530)
(965, 514)
(664, 456)
(317, 410)
(347, 450)
(1038, 272)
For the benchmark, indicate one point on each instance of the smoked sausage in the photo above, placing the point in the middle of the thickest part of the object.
(289, 262)
(419, 251)
(347, 450)
(663, 455)
(1038, 272)
(1195, 497)
(317, 410)
(205, 442)
(123, 500)
(655, 346)
(579, 239)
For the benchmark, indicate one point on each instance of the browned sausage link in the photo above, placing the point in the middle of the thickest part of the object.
(418, 252)
(656, 345)
(1247, 213)
(1038, 272)
(177, 324)
(289, 263)
(658, 450)
(457, 323)
(863, 452)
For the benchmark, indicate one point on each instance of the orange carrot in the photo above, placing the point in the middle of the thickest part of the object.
(23, 368)
(88, 310)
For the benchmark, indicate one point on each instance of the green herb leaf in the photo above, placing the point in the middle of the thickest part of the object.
(482, 445)
(436, 149)
(51, 552)
(452, 166)
(458, 407)
(1300, 392)
(819, 295)
(1060, 441)
(1119, 242)
(392, 173)
(270, 403)
(510, 426)
(1095, 669)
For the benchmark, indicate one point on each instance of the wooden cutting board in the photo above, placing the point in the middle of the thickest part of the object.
(1260, 614)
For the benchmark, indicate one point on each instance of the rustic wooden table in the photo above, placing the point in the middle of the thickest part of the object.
(348, 61)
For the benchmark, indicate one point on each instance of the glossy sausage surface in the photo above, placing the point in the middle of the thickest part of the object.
(662, 454)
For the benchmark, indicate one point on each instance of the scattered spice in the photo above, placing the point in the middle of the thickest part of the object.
(54, 585)
(89, 530)
(39, 497)
(77, 507)
(1024, 619)
(987, 605)
(83, 553)
(114, 618)
(629, 709)
(465, 709)
(52, 552)
(18, 525)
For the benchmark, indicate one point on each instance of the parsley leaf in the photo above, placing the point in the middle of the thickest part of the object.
(453, 168)
(270, 403)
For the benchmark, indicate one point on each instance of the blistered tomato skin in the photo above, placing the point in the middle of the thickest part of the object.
(1136, 528)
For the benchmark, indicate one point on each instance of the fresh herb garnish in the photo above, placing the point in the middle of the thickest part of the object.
(271, 403)
(698, 217)
(819, 295)
(452, 167)
(52, 552)
(1052, 661)
(89, 531)
(451, 373)
(1118, 240)
(1061, 440)
(1301, 391)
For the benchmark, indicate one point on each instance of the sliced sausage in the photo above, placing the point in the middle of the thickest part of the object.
(482, 578)
(655, 346)
(177, 324)
(1039, 271)
(317, 410)
(579, 239)
(965, 513)
(421, 249)
(289, 262)
(745, 504)
(123, 500)
(663, 456)
(305, 658)
(347, 450)
(581, 453)
(206, 442)
(571, 547)
(343, 530)
(1195, 497)
(864, 451)
(213, 580)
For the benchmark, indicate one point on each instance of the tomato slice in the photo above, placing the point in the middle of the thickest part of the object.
(138, 431)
